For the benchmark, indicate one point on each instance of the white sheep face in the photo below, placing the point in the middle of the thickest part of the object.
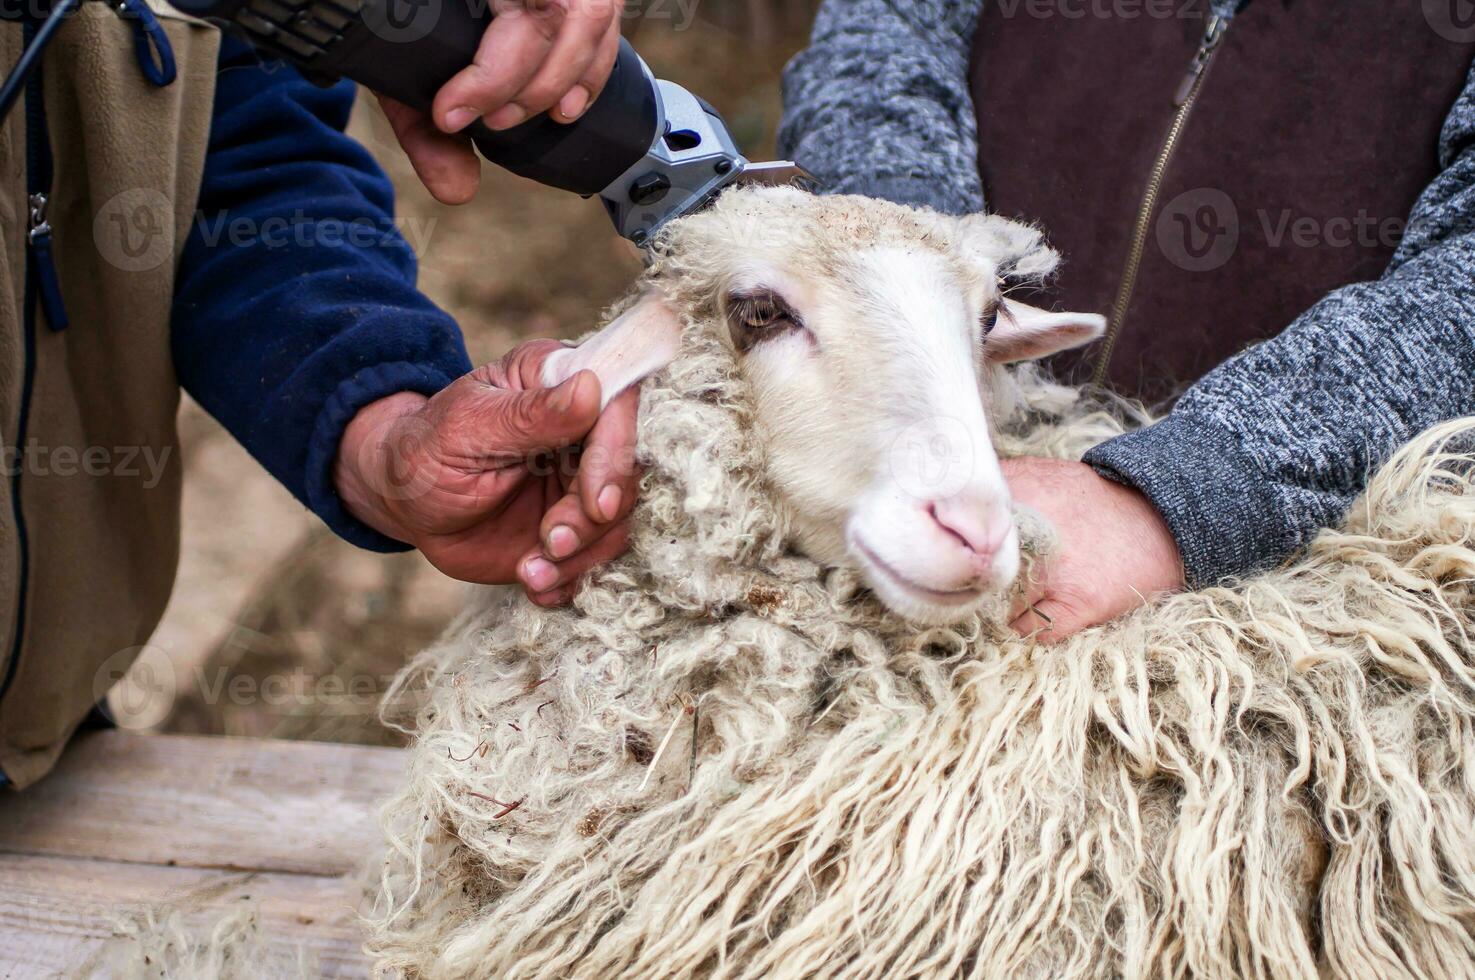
(869, 333)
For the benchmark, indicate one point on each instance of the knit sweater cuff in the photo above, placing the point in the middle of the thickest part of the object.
(1221, 509)
(364, 388)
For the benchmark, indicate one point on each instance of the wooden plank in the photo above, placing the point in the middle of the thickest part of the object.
(59, 916)
(200, 802)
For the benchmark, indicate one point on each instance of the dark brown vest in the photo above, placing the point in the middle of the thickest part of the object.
(1314, 133)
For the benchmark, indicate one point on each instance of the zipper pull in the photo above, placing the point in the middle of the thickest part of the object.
(1213, 36)
(49, 285)
(40, 227)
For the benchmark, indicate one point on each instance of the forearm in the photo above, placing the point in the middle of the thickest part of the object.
(879, 104)
(297, 304)
(1278, 442)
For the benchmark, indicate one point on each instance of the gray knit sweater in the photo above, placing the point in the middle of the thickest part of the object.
(1275, 443)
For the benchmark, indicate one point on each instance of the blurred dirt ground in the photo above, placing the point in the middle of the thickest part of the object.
(278, 629)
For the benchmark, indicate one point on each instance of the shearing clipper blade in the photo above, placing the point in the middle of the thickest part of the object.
(778, 173)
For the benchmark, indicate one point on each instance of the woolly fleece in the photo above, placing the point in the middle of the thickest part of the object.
(727, 761)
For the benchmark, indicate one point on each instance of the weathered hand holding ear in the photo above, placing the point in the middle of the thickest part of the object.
(499, 478)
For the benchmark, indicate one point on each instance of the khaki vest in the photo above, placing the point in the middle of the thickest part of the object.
(102, 527)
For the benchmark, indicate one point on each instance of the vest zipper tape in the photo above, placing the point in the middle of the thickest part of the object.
(1184, 101)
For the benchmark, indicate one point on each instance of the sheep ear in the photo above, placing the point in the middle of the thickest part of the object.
(637, 344)
(1024, 333)
(1002, 247)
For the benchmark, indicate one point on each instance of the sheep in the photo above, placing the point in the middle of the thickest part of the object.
(869, 336)
(788, 734)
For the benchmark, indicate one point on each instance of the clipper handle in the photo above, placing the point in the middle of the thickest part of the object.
(408, 49)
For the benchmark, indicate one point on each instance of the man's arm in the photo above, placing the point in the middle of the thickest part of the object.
(879, 104)
(1277, 442)
(1262, 453)
(298, 325)
(296, 305)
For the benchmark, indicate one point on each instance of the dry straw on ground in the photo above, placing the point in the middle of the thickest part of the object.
(730, 762)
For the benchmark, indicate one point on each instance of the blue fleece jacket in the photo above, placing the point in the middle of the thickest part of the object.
(296, 302)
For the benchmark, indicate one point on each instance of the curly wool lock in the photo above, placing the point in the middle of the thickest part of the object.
(729, 760)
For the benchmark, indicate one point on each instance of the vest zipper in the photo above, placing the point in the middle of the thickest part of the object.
(38, 269)
(47, 283)
(1184, 101)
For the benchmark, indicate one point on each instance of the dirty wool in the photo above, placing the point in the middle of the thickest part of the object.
(727, 761)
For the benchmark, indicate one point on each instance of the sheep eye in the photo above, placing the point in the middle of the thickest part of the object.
(990, 318)
(763, 310)
(755, 317)
(764, 313)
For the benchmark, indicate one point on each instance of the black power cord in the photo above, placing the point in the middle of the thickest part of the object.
(15, 82)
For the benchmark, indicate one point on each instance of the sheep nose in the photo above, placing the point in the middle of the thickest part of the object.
(980, 529)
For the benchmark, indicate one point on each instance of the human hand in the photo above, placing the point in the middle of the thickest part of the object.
(537, 56)
(467, 476)
(1116, 552)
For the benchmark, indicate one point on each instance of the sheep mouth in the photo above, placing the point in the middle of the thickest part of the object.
(942, 597)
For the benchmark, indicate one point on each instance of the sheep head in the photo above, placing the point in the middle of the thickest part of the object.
(872, 336)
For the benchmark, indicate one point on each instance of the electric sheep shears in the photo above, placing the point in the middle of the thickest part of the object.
(650, 150)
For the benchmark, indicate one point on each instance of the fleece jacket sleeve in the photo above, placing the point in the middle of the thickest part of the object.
(1276, 443)
(296, 303)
